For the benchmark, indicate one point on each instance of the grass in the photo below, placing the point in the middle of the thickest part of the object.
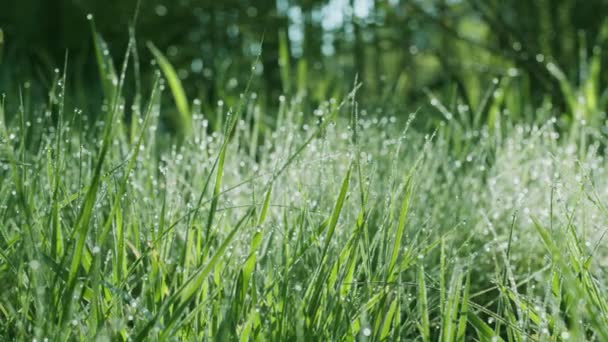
(331, 225)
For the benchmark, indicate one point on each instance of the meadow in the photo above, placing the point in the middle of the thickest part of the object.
(156, 217)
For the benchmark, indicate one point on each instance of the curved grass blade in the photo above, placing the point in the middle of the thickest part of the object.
(107, 72)
(187, 292)
(424, 325)
(184, 121)
(318, 282)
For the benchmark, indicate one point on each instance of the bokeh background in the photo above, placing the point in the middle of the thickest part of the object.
(401, 50)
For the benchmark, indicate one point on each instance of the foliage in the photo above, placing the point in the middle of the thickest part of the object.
(130, 209)
(394, 46)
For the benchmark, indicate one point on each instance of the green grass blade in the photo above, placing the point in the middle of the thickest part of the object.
(105, 65)
(388, 319)
(566, 88)
(484, 331)
(179, 95)
(315, 286)
(284, 61)
(423, 310)
(264, 212)
(450, 317)
(400, 229)
(188, 291)
(335, 215)
(464, 309)
(216, 190)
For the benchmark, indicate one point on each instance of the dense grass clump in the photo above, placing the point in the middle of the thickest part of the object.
(324, 224)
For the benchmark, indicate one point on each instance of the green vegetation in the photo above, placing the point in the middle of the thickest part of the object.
(132, 207)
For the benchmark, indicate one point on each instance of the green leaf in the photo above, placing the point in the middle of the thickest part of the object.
(105, 65)
(179, 95)
(187, 292)
(484, 331)
(284, 63)
(249, 265)
(464, 308)
(399, 230)
(423, 311)
(333, 222)
(388, 319)
(262, 217)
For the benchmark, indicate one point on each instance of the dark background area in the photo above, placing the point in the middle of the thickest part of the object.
(398, 48)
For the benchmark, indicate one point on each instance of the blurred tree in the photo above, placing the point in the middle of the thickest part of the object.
(402, 46)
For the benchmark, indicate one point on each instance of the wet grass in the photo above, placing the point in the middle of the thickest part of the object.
(329, 225)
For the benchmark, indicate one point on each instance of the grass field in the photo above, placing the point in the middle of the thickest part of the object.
(332, 224)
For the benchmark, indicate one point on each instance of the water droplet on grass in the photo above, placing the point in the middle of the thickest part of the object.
(161, 10)
(540, 58)
(35, 265)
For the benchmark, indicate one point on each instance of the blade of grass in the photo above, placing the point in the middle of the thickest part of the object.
(399, 230)
(107, 72)
(187, 292)
(179, 95)
(423, 326)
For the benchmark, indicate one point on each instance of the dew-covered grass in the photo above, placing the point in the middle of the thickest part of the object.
(326, 224)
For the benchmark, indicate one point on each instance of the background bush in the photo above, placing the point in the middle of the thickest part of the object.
(398, 48)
